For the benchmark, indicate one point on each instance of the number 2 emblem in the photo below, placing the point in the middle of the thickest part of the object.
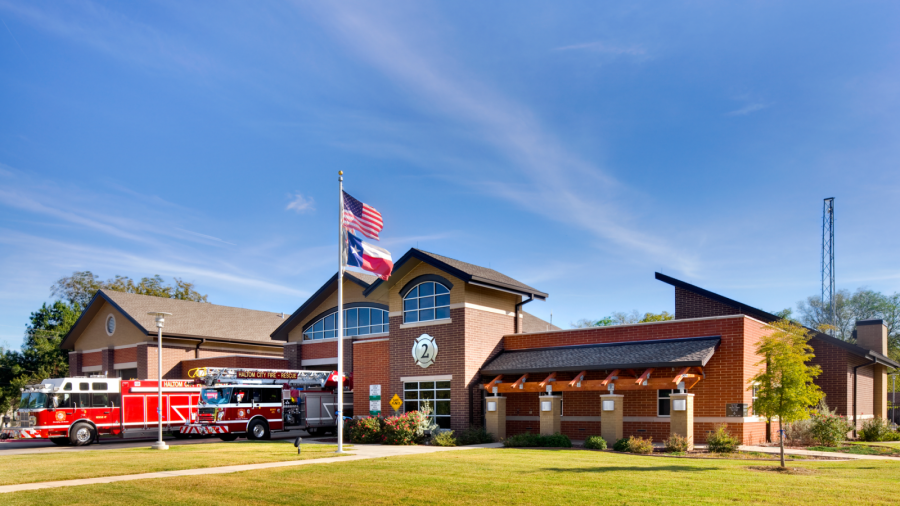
(424, 350)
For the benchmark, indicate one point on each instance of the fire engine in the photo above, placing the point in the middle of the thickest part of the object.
(254, 403)
(79, 410)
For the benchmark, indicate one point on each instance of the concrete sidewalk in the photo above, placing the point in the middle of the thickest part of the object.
(358, 452)
(787, 451)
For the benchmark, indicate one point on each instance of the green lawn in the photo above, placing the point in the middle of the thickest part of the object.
(507, 476)
(888, 449)
(87, 464)
(886, 444)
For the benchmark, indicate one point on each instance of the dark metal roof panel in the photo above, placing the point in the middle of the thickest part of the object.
(686, 352)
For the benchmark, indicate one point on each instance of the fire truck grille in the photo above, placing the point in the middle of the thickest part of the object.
(207, 415)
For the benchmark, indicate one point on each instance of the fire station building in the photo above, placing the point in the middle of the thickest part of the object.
(455, 335)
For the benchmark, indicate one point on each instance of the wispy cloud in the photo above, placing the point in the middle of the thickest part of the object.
(301, 204)
(555, 181)
(605, 48)
(749, 109)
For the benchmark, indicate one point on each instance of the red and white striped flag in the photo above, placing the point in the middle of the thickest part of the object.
(361, 217)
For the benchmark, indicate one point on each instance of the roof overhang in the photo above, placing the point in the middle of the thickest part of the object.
(682, 352)
(93, 307)
(413, 258)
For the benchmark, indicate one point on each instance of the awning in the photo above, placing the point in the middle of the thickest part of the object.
(687, 352)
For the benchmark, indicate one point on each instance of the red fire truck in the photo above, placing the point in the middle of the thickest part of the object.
(253, 403)
(78, 410)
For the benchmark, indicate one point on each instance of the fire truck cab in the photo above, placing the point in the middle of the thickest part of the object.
(79, 410)
(253, 403)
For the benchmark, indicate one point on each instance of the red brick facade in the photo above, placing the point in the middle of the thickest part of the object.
(371, 367)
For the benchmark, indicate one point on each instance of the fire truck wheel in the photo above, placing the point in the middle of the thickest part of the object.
(81, 434)
(228, 437)
(258, 429)
(59, 441)
(312, 431)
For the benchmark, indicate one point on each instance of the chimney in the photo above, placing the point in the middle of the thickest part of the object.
(872, 335)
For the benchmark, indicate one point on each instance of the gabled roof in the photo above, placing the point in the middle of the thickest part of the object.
(759, 314)
(189, 319)
(281, 333)
(531, 323)
(469, 273)
(683, 352)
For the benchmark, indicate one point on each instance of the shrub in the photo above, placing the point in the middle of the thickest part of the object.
(677, 443)
(621, 445)
(556, 441)
(595, 443)
(536, 440)
(721, 441)
(799, 433)
(474, 436)
(443, 438)
(403, 429)
(365, 430)
(892, 436)
(640, 445)
(829, 428)
(874, 429)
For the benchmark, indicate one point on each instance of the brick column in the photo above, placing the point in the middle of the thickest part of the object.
(107, 361)
(74, 364)
(880, 391)
(682, 417)
(495, 417)
(291, 353)
(611, 417)
(551, 411)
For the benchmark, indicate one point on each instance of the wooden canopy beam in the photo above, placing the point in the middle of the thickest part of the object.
(681, 374)
(543, 384)
(614, 374)
(578, 377)
(489, 388)
(520, 381)
(643, 377)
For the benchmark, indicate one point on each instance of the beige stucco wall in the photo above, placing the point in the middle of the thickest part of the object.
(352, 293)
(95, 336)
(491, 298)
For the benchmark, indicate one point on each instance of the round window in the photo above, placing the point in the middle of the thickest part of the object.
(110, 324)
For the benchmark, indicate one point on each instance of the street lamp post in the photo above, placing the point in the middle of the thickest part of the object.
(160, 319)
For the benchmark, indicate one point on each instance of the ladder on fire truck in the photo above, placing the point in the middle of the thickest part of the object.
(229, 375)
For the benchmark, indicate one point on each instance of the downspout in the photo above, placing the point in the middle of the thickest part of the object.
(519, 306)
(855, 376)
(197, 349)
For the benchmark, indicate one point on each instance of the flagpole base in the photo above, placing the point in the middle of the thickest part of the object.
(159, 445)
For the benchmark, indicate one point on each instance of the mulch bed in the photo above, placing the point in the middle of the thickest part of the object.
(783, 470)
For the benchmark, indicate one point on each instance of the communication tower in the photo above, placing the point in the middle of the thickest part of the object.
(828, 260)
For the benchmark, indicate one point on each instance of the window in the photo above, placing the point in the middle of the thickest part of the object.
(110, 324)
(101, 387)
(241, 396)
(270, 395)
(755, 396)
(83, 387)
(663, 403)
(358, 321)
(427, 301)
(67, 387)
(437, 393)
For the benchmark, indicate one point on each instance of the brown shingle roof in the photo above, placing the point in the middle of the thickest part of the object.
(484, 273)
(196, 319)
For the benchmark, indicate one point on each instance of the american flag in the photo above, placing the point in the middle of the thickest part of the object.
(361, 217)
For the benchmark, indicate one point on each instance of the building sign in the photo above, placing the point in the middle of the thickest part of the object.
(737, 410)
(262, 374)
(374, 400)
(424, 350)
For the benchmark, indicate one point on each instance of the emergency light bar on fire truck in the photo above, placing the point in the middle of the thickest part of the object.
(210, 376)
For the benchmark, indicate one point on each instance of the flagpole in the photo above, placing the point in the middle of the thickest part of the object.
(339, 412)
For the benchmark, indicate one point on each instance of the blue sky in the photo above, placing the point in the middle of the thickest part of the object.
(578, 147)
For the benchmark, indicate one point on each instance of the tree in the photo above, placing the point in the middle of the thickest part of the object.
(41, 356)
(785, 388)
(815, 313)
(79, 288)
(620, 318)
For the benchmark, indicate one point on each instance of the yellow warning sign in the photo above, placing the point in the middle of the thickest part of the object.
(396, 402)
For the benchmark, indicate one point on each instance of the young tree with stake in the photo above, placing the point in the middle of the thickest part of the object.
(785, 388)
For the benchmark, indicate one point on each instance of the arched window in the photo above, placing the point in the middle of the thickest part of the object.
(358, 321)
(427, 301)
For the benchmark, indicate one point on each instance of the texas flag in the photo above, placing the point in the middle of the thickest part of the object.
(369, 257)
